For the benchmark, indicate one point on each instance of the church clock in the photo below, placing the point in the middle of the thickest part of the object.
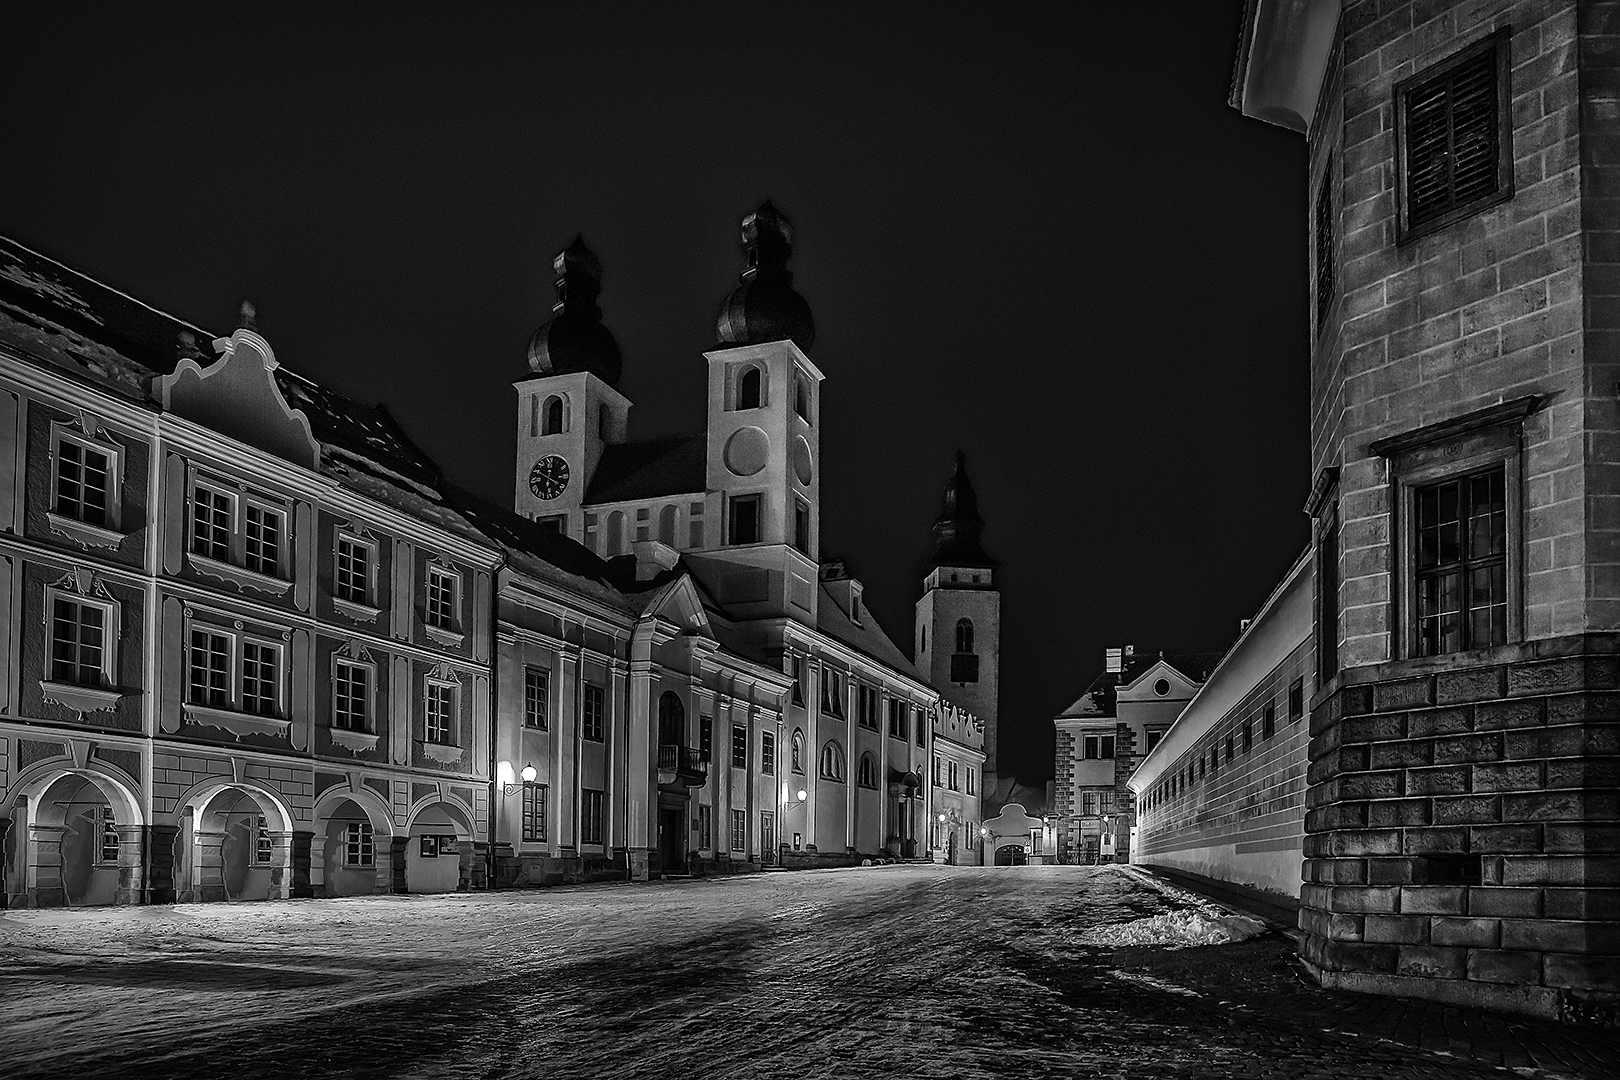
(549, 477)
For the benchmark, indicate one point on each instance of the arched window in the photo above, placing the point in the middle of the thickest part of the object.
(866, 776)
(671, 720)
(832, 761)
(801, 397)
(553, 416)
(748, 390)
(615, 533)
(798, 751)
(666, 525)
(964, 635)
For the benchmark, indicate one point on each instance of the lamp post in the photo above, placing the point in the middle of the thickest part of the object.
(1107, 850)
(950, 818)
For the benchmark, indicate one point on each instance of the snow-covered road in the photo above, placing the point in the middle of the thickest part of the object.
(919, 971)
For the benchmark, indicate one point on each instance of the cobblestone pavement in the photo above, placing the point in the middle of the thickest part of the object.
(919, 971)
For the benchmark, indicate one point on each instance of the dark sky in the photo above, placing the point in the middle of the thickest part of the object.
(1039, 234)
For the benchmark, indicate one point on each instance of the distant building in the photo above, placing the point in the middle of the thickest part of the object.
(1102, 737)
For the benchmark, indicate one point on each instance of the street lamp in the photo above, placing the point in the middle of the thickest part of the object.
(509, 784)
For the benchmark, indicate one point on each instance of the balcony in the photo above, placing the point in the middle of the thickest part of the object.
(681, 765)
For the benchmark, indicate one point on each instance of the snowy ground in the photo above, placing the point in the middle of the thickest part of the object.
(918, 971)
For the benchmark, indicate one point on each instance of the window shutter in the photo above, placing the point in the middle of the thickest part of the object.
(1452, 147)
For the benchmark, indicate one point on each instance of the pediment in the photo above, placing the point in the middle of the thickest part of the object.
(679, 603)
(236, 395)
(1141, 687)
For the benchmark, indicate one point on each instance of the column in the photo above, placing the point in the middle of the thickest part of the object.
(565, 746)
(314, 845)
(640, 780)
(159, 883)
(131, 864)
(615, 764)
(207, 866)
(42, 880)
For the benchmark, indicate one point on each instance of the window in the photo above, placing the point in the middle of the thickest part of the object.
(964, 635)
(644, 523)
(671, 720)
(1231, 746)
(261, 678)
(745, 519)
(1108, 802)
(867, 701)
(264, 847)
(1099, 746)
(748, 389)
(1088, 804)
(440, 726)
(952, 779)
(553, 523)
(1452, 136)
(1153, 738)
(705, 737)
(213, 515)
(739, 830)
(590, 532)
(534, 812)
(1461, 563)
(970, 780)
(536, 690)
(801, 396)
(767, 753)
(801, 525)
(262, 548)
(79, 642)
(109, 835)
(84, 483)
(615, 533)
(595, 710)
(832, 762)
(442, 587)
(705, 826)
(351, 696)
(352, 571)
(832, 697)
(897, 718)
(1214, 759)
(210, 663)
(867, 774)
(937, 763)
(739, 746)
(552, 415)
(694, 526)
(1268, 721)
(666, 525)
(1296, 700)
(590, 816)
(357, 846)
(922, 731)
(1324, 245)
(798, 680)
(798, 751)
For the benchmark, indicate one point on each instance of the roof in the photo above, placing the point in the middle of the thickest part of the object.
(674, 465)
(542, 552)
(867, 637)
(1098, 700)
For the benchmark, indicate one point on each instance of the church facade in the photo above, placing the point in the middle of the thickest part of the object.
(258, 648)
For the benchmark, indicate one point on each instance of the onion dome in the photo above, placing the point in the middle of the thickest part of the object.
(765, 307)
(575, 339)
(957, 529)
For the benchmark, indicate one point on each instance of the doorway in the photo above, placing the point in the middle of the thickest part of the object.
(671, 839)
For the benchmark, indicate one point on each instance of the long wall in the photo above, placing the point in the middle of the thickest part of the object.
(1218, 796)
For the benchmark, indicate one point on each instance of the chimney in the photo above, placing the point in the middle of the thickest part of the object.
(1116, 660)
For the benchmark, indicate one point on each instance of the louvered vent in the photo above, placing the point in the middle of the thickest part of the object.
(1324, 246)
(1453, 152)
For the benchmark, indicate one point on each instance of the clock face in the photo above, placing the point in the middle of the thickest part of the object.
(549, 477)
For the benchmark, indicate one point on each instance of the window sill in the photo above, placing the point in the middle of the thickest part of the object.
(448, 638)
(440, 752)
(240, 576)
(83, 533)
(81, 699)
(238, 724)
(355, 611)
(355, 742)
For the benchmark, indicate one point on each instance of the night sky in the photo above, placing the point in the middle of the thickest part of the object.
(1038, 234)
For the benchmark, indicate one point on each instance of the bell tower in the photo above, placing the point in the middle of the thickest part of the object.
(568, 406)
(959, 615)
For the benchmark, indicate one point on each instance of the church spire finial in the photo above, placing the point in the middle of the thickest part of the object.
(575, 339)
(957, 529)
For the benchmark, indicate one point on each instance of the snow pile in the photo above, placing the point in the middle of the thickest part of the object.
(1177, 929)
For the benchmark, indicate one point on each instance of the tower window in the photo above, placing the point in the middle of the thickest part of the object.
(615, 533)
(553, 416)
(964, 635)
(801, 396)
(801, 525)
(748, 395)
(666, 525)
(1453, 152)
(745, 519)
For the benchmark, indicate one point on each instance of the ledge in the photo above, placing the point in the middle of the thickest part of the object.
(355, 742)
(81, 699)
(238, 723)
(445, 637)
(439, 751)
(240, 576)
(360, 613)
(1509, 412)
(84, 533)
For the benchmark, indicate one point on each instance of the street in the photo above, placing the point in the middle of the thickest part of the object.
(924, 971)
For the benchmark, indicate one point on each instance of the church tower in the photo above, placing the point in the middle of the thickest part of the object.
(959, 615)
(764, 436)
(568, 406)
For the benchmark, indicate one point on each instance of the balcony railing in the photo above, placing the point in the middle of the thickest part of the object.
(681, 764)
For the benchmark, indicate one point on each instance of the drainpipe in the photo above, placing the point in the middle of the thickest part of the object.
(495, 799)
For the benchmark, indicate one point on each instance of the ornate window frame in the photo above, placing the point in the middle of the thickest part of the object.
(83, 588)
(88, 435)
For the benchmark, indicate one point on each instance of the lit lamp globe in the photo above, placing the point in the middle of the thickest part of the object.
(802, 794)
(942, 817)
(529, 774)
